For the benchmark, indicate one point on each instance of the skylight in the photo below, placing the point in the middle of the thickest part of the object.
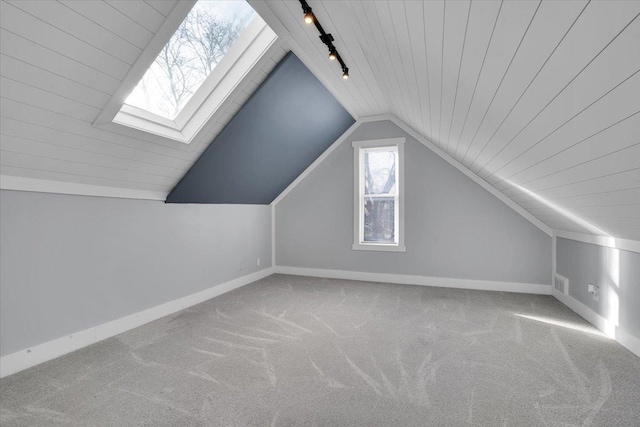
(204, 52)
(195, 49)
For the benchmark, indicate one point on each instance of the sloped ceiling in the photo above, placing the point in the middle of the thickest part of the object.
(540, 99)
(60, 63)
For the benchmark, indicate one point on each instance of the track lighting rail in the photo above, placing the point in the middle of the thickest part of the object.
(326, 38)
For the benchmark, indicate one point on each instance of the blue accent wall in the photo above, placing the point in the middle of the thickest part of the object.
(286, 124)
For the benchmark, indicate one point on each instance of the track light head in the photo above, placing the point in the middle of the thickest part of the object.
(308, 17)
(333, 55)
(345, 73)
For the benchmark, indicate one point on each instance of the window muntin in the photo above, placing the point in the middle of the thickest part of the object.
(378, 210)
(204, 37)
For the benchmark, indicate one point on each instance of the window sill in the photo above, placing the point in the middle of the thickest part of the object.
(378, 247)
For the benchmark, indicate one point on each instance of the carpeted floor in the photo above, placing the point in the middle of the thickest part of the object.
(299, 351)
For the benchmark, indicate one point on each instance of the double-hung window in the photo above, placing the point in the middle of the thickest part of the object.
(379, 195)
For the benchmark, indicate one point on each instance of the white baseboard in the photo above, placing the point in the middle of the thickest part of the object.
(35, 355)
(630, 342)
(405, 279)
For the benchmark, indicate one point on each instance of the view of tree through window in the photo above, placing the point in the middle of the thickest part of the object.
(203, 38)
(380, 194)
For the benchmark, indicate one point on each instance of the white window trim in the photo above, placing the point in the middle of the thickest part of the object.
(253, 43)
(358, 213)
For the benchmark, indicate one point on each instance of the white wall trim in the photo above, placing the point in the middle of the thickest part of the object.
(608, 241)
(358, 195)
(626, 339)
(406, 279)
(383, 142)
(377, 247)
(554, 266)
(317, 162)
(35, 355)
(273, 235)
(477, 179)
(20, 183)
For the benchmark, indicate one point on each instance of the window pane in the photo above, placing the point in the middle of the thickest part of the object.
(203, 38)
(380, 171)
(379, 219)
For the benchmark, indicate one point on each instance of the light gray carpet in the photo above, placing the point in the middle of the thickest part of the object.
(301, 351)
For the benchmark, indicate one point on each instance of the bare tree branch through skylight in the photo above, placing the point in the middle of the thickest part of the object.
(194, 50)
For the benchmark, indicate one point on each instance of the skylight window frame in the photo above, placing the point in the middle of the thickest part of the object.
(235, 53)
(246, 53)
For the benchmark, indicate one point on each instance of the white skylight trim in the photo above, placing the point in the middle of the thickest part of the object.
(253, 41)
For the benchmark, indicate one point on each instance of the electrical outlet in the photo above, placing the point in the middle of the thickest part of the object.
(258, 262)
(595, 290)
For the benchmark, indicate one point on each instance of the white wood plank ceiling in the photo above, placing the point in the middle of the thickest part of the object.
(539, 98)
(60, 63)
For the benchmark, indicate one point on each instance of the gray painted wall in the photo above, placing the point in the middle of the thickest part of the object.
(68, 263)
(454, 228)
(616, 272)
(286, 124)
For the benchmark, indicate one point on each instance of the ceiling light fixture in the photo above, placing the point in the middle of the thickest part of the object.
(327, 39)
(308, 14)
(308, 17)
